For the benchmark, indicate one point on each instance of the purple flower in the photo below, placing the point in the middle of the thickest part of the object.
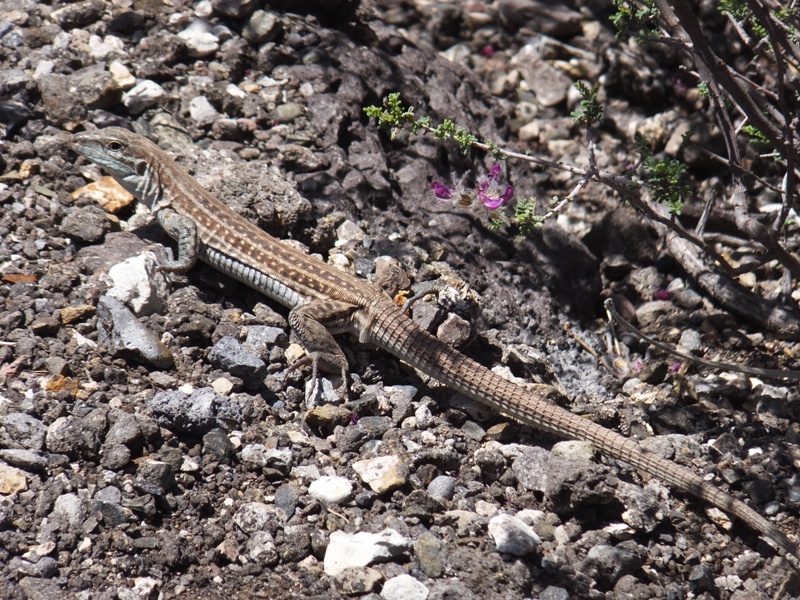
(489, 189)
(441, 191)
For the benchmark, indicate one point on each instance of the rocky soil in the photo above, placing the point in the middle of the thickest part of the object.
(151, 444)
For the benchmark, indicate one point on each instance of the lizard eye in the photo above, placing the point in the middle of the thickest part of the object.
(114, 146)
(141, 168)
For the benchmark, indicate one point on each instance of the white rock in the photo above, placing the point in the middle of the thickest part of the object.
(512, 536)
(121, 75)
(255, 516)
(143, 95)
(101, 48)
(404, 587)
(199, 39)
(424, 417)
(134, 282)
(201, 111)
(362, 549)
(331, 490)
(383, 473)
(573, 450)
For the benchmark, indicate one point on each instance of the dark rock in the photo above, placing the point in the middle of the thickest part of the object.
(286, 498)
(230, 355)
(86, 224)
(218, 446)
(421, 505)
(606, 564)
(350, 439)
(73, 436)
(79, 14)
(154, 477)
(576, 484)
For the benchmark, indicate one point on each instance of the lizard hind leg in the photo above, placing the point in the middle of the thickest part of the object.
(312, 324)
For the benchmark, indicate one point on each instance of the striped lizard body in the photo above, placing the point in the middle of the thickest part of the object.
(324, 300)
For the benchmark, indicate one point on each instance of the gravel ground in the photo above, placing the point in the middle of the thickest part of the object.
(151, 444)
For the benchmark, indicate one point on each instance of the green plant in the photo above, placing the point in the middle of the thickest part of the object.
(589, 111)
(637, 18)
(665, 180)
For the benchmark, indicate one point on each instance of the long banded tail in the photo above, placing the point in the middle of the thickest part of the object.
(401, 337)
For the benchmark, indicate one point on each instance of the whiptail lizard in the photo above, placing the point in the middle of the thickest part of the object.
(324, 300)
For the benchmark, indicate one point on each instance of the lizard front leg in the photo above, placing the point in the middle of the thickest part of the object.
(313, 323)
(184, 231)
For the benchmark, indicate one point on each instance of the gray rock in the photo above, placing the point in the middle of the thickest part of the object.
(135, 282)
(79, 14)
(66, 98)
(45, 326)
(125, 336)
(442, 486)
(124, 430)
(263, 338)
(691, 342)
(36, 588)
(235, 9)
(421, 505)
(288, 112)
(261, 549)
(454, 331)
(199, 39)
(45, 567)
(196, 413)
(356, 581)
(21, 430)
(259, 456)
(575, 484)
(112, 513)
(552, 592)
(257, 516)
(262, 26)
(423, 417)
(68, 512)
(513, 536)
(573, 450)
(202, 112)
(531, 467)
(643, 507)
(606, 564)
(431, 554)
(57, 365)
(24, 459)
(491, 462)
(230, 355)
(86, 224)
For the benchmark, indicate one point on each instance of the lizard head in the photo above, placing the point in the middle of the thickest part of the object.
(124, 155)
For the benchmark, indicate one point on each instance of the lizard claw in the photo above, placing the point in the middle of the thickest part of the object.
(316, 388)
